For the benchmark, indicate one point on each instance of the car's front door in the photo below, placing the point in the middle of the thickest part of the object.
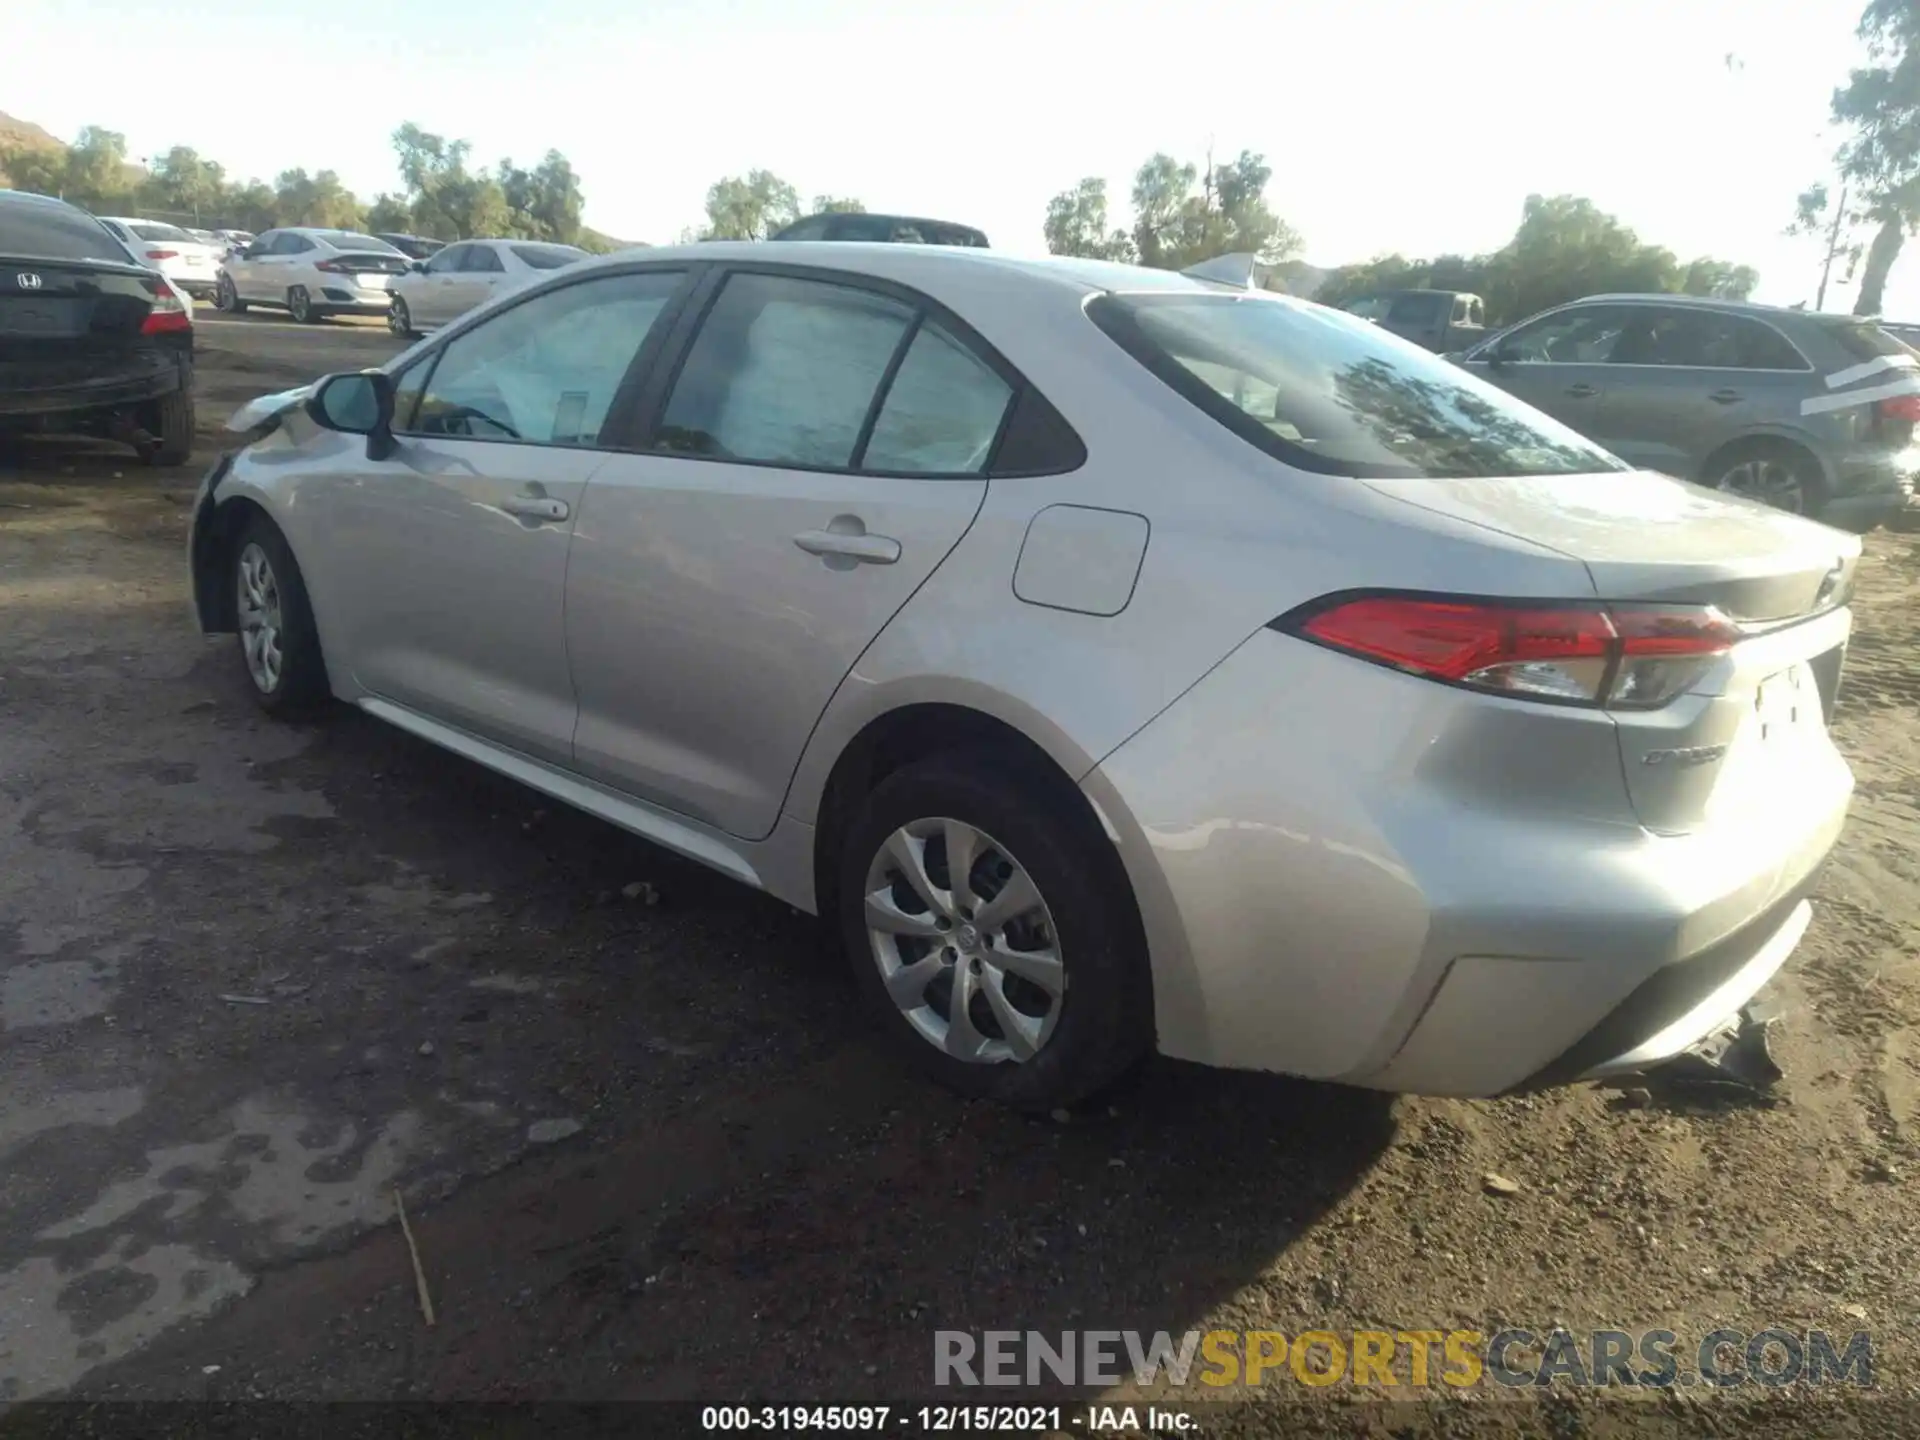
(245, 268)
(1558, 361)
(821, 450)
(449, 557)
(1691, 379)
(480, 277)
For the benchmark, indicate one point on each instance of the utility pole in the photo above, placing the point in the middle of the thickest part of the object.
(1833, 248)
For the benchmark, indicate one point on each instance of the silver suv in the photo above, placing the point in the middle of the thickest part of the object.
(1813, 413)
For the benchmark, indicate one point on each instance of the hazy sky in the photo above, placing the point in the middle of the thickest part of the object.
(1412, 127)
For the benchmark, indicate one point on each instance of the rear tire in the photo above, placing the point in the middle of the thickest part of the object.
(1773, 472)
(226, 299)
(279, 644)
(173, 425)
(1098, 1022)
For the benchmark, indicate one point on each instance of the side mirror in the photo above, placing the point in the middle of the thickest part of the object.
(358, 402)
(419, 267)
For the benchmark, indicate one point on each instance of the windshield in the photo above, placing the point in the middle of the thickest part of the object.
(1327, 392)
(350, 240)
(151, 230)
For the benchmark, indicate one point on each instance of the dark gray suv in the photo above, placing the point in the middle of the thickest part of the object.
(1813, 413)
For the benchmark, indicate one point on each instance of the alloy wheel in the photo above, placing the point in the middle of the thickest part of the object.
(398, 320)
(261, 627)
(965, 943)
(1770, 481)
(298, 303)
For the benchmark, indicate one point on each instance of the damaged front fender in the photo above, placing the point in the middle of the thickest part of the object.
(255, 413)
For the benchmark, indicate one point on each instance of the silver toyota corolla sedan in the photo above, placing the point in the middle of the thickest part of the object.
(1116, 660)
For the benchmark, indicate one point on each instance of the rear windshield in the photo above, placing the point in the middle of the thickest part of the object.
(349, 240)
(548, 257)
(48, 230)
(1864, 340)
(150, 230)
(1324, 391)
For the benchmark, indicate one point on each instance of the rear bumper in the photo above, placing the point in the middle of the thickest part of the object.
(1344, 875)
(340, 300)
(105, 392)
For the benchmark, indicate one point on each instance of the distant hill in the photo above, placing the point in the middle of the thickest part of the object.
(24, 134)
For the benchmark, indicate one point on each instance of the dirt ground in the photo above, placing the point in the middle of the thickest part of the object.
(253, 978)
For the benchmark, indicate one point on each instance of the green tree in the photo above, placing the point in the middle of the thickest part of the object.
(750, 207)
(303, 199)
(1076, 224)
(390, 213)
(1879, 110)
(543, 203)
(182, 183)
(97, 175)
(1184, 214)
(836, 205)
(36, 168)
(253, 206)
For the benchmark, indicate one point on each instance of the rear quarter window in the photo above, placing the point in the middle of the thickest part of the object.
(39, 231)
(1862, 340)
(1324, 391)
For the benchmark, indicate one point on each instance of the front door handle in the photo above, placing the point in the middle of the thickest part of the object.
(1726, 397)
(535, 507)
(856, 546)
(1582, 392)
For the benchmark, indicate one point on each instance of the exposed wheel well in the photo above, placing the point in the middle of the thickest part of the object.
(213, 561)
(919, 732)
(1761, 445)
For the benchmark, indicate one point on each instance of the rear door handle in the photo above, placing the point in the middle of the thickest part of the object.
(1582, 392)
(1726, 397)
(535, 507)
(872, 549)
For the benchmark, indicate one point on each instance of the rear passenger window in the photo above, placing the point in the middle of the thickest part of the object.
(784, 372)
(1707, 339)
(942, 412)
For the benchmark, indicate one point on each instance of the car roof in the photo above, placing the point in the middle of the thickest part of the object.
(1710, 302)
(32, 197)
(932, 267)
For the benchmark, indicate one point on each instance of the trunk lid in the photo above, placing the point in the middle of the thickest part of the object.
(1743, 739)
(70, 307)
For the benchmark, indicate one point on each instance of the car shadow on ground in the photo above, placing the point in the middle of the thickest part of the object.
(799, 1214)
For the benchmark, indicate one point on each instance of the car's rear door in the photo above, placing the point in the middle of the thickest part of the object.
(1690, 380)
(444, 564)
(815, 452)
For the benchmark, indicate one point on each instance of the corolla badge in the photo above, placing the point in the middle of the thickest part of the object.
(27, 280)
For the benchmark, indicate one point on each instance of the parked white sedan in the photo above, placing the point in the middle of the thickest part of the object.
(191, 264)
(470, 273)
(311, 273)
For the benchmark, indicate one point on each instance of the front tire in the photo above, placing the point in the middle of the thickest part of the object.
(967, 878)
(279, 645)
(400, 319)
(226, 299)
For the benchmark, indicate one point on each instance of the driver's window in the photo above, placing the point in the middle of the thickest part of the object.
(544, 372)
(482, 260)
(1585, 336)
(447, 260)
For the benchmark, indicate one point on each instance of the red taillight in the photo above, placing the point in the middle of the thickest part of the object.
(163, 254)
(1633, 657)
(333, 267)
(1900, 407)
(168, 315)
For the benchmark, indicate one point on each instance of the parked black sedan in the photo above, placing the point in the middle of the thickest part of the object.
(91, 342)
